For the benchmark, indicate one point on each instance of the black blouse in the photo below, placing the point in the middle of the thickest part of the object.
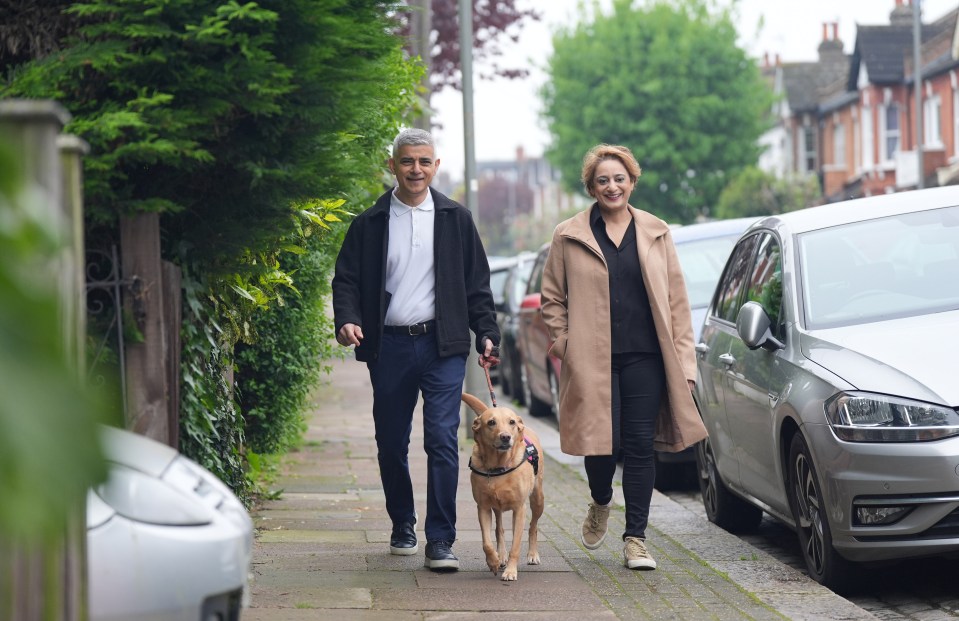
(631, 321)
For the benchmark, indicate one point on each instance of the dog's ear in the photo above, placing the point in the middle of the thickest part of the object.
(520, 424)
(477, 423)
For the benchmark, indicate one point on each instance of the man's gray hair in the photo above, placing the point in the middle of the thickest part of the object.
(413, 137)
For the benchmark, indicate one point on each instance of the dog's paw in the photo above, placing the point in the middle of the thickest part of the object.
(493, 563)
(502, 565)
(509, 574)
(532, 559)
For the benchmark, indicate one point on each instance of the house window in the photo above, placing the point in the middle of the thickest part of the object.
(890, 131)
(932, 122)
(868, 148)
(839, 145)
(809, 149)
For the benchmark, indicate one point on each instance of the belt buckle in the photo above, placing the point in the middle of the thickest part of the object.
(416, 329)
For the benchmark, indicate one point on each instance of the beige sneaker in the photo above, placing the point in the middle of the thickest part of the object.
(594, 526)
(636, 554)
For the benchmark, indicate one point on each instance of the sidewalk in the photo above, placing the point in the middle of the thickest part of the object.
(322, 547)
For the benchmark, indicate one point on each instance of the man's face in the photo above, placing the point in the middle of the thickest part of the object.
(414, 167)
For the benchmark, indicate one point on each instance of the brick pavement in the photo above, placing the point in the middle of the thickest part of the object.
(321, 548)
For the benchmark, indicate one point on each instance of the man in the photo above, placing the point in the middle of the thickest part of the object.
(411, 281)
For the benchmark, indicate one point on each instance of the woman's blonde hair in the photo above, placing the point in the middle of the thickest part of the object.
(603, 152)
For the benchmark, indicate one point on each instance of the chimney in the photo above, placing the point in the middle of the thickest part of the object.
(830, 49)
(902, 14)
(520, 154)
(765, 60)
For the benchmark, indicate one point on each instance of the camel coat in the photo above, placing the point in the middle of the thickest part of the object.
(576, 309)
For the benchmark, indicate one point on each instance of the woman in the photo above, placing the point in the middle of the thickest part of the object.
(615, 303)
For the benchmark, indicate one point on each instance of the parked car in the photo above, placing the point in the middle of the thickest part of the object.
(827, 381)
(499, 269)
(507, 316)
(703, 249)
(539, 371)
(166, 539)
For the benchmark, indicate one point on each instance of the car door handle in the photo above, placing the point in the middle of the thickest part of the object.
(727, 359)
(702, 348)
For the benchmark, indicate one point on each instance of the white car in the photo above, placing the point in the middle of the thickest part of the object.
(166, 539)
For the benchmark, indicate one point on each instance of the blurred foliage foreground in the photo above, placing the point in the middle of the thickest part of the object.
(49, 450)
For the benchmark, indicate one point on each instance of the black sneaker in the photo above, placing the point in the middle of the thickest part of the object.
(439, 555)
(403, 540)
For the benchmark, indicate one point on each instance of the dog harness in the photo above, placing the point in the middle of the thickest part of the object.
(532, 457)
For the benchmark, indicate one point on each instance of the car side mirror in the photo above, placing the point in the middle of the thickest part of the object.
(753, 326)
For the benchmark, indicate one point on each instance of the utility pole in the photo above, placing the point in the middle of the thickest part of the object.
(469, 136)
(421, 26)
(917, 75)
(475, 383)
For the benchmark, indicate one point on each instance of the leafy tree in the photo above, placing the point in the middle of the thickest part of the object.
(245, 125)
(757, 193)
(667, 80)
(493, 21)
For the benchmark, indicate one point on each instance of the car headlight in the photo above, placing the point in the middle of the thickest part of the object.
(867, 417)
(144, 498)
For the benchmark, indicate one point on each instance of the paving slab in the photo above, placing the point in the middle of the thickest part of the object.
(321, 549)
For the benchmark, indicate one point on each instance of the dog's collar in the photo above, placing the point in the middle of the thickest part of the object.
(531, 457)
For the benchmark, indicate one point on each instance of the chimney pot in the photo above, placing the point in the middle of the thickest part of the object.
(825, 30)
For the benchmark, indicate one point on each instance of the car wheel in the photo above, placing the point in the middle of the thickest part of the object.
(823, 563)
(536, 407)
(553, 390)
(723, 508)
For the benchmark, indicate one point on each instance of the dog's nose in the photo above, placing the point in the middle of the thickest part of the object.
(505, 437)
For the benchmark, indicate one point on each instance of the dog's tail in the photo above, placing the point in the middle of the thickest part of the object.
(475, 404)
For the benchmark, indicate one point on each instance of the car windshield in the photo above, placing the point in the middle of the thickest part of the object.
(703, 261)
(897, 266)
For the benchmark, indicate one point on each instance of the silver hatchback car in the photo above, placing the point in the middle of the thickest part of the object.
(829, 381)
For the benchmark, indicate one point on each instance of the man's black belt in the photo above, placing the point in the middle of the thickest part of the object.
(415, 330)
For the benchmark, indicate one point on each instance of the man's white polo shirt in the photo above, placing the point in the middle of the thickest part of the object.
(409, 263)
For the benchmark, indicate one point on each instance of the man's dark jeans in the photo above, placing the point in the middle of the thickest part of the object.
(409, 365)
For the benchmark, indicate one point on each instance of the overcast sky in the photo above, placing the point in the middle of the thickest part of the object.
(507, 112)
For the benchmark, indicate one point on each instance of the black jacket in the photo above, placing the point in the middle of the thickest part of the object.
(463, 297)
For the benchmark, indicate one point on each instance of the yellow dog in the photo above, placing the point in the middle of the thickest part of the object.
(507, 469)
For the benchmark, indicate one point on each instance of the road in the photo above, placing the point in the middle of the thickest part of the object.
(919, 590)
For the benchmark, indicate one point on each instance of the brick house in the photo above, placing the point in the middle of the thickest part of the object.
(851, 119)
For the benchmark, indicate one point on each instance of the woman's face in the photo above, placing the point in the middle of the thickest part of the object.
(612, 185)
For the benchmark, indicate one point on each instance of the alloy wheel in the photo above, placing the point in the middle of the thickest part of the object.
(809, 511)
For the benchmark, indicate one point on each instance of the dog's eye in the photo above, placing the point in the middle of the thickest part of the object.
(512, 422)
(491, 423)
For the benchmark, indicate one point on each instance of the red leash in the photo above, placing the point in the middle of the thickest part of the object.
(489, 383)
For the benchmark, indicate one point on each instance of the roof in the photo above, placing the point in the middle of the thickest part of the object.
(713, 228)
(808, 83)
(835, 214)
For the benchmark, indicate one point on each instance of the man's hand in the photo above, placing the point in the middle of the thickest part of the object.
(349, 334)
(490, 357)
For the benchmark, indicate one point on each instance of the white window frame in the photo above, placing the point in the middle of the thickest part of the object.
(839, 145)
(886, 112)
(932, 118)
(868, 142)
